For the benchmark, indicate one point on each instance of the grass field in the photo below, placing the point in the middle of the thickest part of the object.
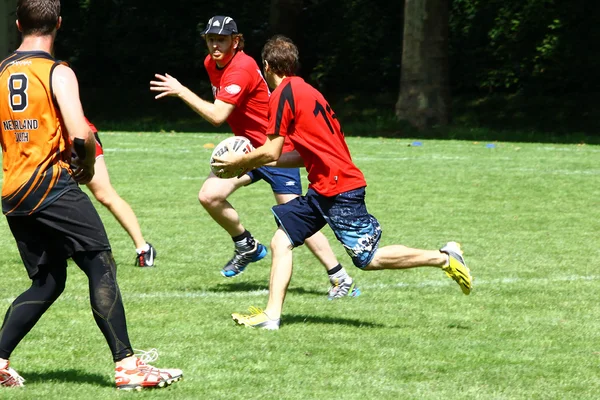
(528, 216)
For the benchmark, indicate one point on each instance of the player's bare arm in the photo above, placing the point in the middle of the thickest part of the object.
(216, 113)
(291, 159)
(66, 91)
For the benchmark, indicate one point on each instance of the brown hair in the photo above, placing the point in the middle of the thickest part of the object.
(240, 46)
(38, 17)
(282, 55)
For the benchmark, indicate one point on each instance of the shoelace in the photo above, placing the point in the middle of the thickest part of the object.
(147, 356)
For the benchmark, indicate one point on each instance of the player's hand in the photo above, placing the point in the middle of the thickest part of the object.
(83, 174)
(166, 85)
(229, 161)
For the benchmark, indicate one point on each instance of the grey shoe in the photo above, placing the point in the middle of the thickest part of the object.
(241, 259)
(343, 287)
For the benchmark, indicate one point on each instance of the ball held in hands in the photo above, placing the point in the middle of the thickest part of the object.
(235, 145)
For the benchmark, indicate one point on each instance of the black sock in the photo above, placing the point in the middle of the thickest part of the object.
(244, 240)
(335, 269)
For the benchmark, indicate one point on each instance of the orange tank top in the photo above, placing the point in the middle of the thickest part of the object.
(35, 149)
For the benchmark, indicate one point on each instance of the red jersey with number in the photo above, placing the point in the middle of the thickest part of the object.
(241, 83)
(300, 112)
(35, 147)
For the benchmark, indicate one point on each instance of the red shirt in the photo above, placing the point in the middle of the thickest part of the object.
(92, 126)
(241, 83)
(301, 113)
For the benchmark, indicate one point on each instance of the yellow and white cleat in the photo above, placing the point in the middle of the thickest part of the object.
(457, 268)
(256, 319)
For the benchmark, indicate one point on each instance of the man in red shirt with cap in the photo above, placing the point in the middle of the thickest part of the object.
(242, 98)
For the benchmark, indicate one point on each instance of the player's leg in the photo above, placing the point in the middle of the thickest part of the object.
(25, 311)
(105, 299)
(286, 185)
(131, 373)
(297, 220)
(342, 284)
(281, 274)
(213, 197)
(449, 258)
(360, 233)
(105, 193)
(48, 272)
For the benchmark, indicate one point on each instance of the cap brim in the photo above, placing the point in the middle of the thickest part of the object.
(218, 31)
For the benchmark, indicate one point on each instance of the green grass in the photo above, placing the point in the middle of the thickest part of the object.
(526, 214)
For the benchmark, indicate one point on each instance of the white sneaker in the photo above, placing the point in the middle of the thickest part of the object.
(145, 376)
(9, 377)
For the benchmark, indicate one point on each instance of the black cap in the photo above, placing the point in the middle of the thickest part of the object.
(220, 25)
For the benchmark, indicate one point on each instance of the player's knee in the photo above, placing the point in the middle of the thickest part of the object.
(365, 260)
(105, 197)
(209, 200)
(51, 284)
(372, 266)
(280, 243)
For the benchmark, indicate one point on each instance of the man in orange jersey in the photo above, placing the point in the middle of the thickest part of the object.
(48, 214)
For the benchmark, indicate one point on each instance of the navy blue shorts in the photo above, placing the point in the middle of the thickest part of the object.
(346, 214)
(282, 180)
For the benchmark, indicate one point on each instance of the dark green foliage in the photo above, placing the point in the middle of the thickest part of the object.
(529, 52)
(534, 45)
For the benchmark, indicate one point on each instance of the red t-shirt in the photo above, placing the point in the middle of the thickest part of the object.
(241, 83)
(301, 113)
(99, 150)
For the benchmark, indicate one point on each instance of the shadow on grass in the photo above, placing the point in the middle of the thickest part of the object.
(313, 319)
(68, 376)
(252, 287)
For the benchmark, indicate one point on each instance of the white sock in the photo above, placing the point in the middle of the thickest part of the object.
(145, 248)
(340, 275)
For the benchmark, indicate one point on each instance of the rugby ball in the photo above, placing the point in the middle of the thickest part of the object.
(231, 145)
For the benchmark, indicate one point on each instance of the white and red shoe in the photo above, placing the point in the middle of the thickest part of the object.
(9, 377)
(145, 376)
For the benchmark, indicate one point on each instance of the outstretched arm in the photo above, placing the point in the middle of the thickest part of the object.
(216, 113)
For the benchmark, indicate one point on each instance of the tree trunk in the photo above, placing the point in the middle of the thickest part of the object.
(284, 18)
(9, 35)
(424, 99)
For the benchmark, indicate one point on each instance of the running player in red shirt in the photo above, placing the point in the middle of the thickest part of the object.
(336, 194)
(241, 98)
(104, 192)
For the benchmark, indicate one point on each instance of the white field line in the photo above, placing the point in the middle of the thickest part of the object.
(131, 296)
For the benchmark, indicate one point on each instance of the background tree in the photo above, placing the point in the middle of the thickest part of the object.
(9, 36)
(284, 18)
(424, 98)
(511, 63)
